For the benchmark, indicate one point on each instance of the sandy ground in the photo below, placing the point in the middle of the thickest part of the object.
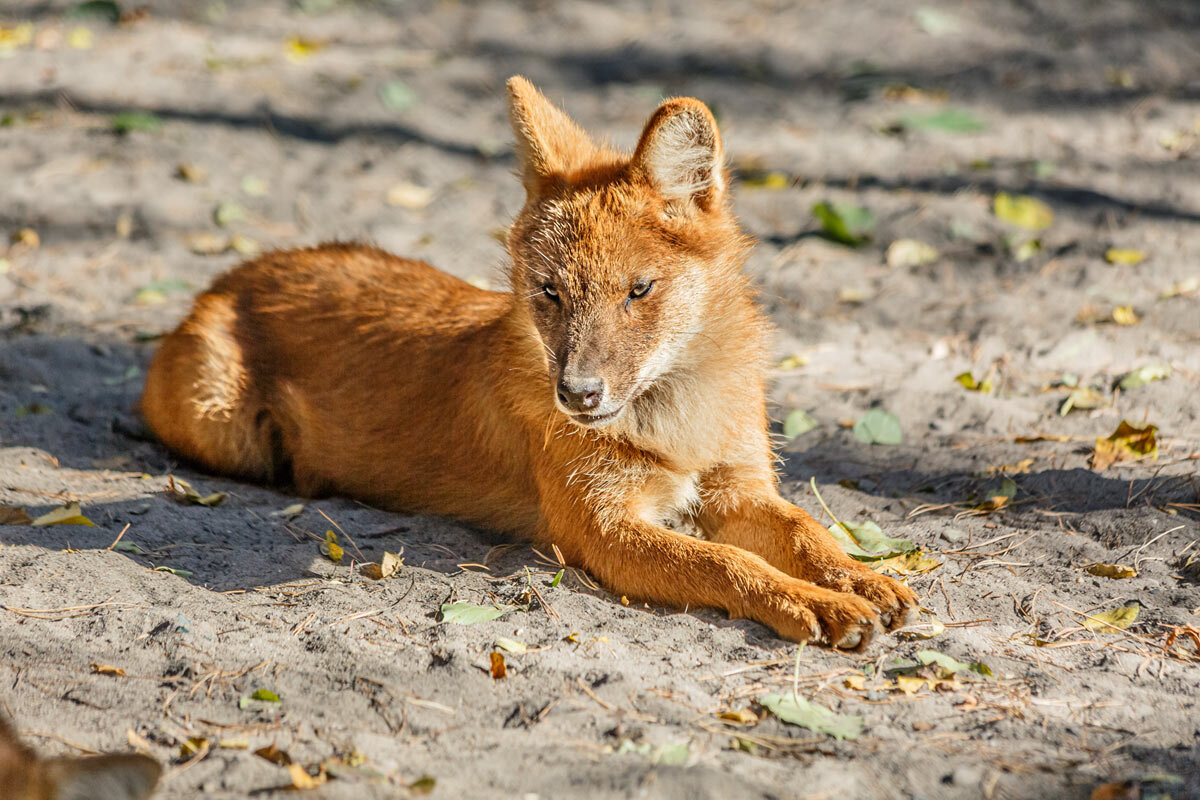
(1091, 107)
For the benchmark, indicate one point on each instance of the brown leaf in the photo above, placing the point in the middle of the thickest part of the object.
(274, 755)
(106, 669)
(14, 515)
(499, 669)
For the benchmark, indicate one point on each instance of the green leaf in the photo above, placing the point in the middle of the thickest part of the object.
(183, 573)
(102, 9)
(1113, 619)
(844, 222)
(798, 711)
(557, 579)
(255, 186)
(467, 614)
(870, 538)
(1143, 375)
(266, 695)
(127, 121)
(878, 427)
(397, 96)
(423, 785)
(126, 546)
(228, 212)
(847, 543)
(950, 120)
(33, 409)
(798, 422)
(936, 22)
(951, 665)
(1023, 211)
(675, 754)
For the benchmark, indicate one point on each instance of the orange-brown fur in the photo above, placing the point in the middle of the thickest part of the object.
(24, 776)
(344, 369)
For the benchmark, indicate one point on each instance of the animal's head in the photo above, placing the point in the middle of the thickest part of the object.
(618, 258)
(24, 776)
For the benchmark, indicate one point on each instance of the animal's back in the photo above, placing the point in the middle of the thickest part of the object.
(343, 368)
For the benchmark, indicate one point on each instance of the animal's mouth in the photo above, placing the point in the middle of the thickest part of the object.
(596, 420)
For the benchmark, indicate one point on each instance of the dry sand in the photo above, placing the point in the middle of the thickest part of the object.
(1091, 107)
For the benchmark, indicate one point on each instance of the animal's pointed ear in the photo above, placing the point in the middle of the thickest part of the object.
(680, 154)
(119, 777)
(549, 143)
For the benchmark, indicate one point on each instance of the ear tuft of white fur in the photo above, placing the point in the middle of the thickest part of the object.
(680, 152)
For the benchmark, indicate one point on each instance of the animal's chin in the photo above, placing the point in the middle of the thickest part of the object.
(596, 420)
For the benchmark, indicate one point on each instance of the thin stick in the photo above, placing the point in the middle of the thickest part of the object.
(119, 535)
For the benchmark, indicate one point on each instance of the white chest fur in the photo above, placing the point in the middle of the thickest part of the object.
(670, 499)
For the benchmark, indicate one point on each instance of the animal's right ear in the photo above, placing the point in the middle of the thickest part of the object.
(549, 143)
(120, 777)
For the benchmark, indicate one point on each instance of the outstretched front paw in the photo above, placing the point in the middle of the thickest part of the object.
(808, 613)
(895, 602)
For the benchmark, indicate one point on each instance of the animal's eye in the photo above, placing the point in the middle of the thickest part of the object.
(550, 291)
(640, 289)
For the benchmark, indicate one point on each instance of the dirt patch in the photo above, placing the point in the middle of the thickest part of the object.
(294, 126)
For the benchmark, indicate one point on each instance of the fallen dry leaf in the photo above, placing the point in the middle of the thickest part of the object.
(302, 780)
(1113, 620)
(1112, 571)
(499, 668)
(70, 514)
(14, 515)
(105, 669)
(1126, 443)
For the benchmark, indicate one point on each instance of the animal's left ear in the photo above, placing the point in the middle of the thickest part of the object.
(680, 154)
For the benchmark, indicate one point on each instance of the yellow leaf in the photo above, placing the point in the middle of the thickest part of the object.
(298, 48)
(1125, 315)
(17, 36)
(1022, 467)
(105, 669)
(236, 743)
(1023, 211)
(27, 237)
(70, 514)
(1115, 255)
(181, 491)
(910, 684)
(331, 548)
(914, 563)
(858, 682)
(742, 716)
(136, 740)
(1181, 288)
(302, 780)
(910, 253)
(1112, 571)
(193, 746)
(81, 38)
(793, 361)
(1113, 619)
(1126, 443)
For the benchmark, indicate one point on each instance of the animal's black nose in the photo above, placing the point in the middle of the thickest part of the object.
(580, 394)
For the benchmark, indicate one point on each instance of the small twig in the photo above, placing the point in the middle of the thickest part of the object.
(119, 535)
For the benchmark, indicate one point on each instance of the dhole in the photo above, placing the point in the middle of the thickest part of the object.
(615, 395)
(24, 776)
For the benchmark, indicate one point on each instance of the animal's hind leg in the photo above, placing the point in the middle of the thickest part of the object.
(201, 401)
